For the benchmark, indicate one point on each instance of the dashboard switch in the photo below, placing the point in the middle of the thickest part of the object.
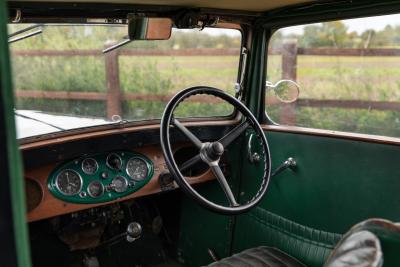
(133, 231)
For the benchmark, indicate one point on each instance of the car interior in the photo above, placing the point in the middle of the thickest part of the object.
(170, 133)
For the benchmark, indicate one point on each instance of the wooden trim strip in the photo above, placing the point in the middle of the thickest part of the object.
(130, 52)
(107, 132)
(76, 95)
(344, 52)
(333, 134)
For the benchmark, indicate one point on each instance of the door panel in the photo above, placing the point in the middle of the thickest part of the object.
(337, 183)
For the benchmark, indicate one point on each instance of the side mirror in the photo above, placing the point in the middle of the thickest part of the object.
(287, 91)
(145, 28)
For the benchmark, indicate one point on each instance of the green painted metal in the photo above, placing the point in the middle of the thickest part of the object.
(201, 229)
(14, 158)
(76, 165)
(336, 184)
(255, 82)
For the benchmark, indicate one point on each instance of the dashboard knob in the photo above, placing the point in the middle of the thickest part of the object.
(133, 231)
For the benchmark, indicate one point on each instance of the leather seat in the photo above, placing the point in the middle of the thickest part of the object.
(259, 257)
(359, 247)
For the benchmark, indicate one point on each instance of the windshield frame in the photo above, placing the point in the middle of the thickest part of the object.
(140, 122)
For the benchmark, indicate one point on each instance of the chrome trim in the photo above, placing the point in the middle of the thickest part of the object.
(145, 162)
(58, 188)
(125, 181)
(102, 191)
(83, 169)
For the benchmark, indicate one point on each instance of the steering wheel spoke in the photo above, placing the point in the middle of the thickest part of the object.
(224, 184)
(234, 133)
(188, 133)
(189, 163)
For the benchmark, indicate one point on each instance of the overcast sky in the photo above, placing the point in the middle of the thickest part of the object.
(358, 25)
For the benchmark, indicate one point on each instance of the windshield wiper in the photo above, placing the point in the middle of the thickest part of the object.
(25, 36)
(34, 119)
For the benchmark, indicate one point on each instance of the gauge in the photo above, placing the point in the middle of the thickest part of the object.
(137, 169)
(69, 182)
(95, 189)
(89, 166)
(119, 184)
(114, 161)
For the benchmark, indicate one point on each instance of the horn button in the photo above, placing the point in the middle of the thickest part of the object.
(211, 152)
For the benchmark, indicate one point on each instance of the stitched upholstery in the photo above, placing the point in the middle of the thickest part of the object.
(258, 257)
(310, 246)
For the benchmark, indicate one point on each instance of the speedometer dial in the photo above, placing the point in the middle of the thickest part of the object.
(69, 182)
(137, 169)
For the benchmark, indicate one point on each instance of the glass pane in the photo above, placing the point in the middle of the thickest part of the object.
(348, 72)
(64, 81)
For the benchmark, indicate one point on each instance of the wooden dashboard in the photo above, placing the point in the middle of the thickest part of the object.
(42, 204)
(41, 158)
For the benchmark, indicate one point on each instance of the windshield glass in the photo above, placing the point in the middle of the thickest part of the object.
(63, 81)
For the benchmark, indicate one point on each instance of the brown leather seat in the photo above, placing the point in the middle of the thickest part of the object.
(259, 257)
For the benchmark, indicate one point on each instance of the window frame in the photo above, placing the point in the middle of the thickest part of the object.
(234, 116)
(335, 11)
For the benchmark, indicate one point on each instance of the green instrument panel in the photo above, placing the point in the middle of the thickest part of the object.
(100, 177)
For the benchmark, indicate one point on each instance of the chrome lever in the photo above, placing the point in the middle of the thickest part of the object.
(289, 163)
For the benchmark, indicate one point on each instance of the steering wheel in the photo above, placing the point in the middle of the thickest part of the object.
(211, 152)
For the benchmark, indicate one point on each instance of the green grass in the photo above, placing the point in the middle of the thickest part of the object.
(162, 75)
(341, 78)
(344, 78)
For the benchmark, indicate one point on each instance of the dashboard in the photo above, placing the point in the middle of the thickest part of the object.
(100, 178)
(87, 170)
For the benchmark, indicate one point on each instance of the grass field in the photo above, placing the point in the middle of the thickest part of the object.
(344, 78)
(341, 78)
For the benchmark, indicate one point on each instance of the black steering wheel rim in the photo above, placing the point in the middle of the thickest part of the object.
(168, 118)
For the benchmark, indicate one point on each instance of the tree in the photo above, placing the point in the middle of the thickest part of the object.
(327, 34)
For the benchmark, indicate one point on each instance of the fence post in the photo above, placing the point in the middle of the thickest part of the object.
(289, 72)
(113, 86)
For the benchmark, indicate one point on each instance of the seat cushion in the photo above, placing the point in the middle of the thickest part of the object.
(358, 249)
(259, 257)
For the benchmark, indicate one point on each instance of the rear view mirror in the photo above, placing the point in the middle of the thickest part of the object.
(287, 91)
(145, 28)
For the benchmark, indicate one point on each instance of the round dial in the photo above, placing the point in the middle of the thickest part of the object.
(95, 189)
(69, 182)
(137, 169)
(89, 166)
(119, 184)
(114, 161)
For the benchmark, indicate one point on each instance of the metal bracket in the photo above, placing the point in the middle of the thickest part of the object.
(253, 157)
(289, 163)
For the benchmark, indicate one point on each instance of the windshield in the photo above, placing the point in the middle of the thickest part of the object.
(63, 81)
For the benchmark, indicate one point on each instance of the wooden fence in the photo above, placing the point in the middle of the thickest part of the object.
(289, 52)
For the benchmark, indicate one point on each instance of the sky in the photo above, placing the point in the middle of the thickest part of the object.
(358, 25)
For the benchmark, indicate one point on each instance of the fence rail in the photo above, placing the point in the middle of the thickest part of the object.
(114, 96)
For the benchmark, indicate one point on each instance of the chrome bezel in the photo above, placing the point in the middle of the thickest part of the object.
(108, 165)
(125, 183)
(89, 173)
(145, 162)
(58, 177)
(102, 187)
